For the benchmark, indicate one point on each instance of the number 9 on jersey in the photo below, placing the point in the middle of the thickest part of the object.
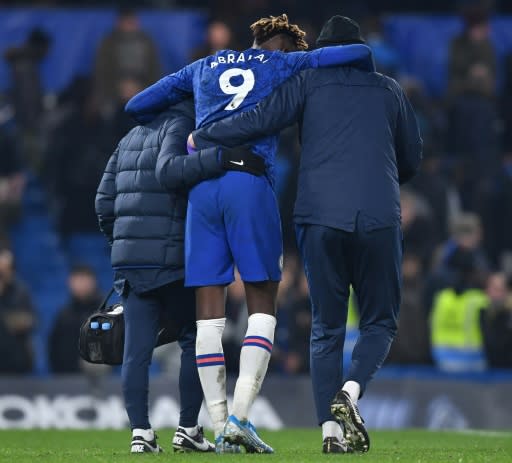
(240, 91)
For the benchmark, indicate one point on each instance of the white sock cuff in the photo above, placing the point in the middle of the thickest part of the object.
(263, 318)
(146, 434)
(331, 429)
(192, 432)
(216, 322)
(353, 389)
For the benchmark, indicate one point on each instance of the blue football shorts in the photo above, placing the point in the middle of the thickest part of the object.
(233, 221)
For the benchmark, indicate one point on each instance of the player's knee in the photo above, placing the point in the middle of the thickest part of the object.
(210, 302)
(261, 297)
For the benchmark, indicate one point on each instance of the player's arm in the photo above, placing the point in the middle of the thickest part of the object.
(177, 170)
(357, 55)
(278, 110)
(408, 142)
(169, 90)
(105, 198)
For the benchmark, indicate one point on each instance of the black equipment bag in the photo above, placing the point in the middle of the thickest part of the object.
(101, 337)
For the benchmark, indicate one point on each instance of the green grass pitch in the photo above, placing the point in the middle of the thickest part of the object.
(291, 445)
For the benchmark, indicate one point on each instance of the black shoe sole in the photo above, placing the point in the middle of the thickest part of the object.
(178, 449)
(355, 432)
(336, 448)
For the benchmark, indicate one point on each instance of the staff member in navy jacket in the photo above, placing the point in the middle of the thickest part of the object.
(145, 225)
(360, 141)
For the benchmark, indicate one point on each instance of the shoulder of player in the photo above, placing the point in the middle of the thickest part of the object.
(225, 57)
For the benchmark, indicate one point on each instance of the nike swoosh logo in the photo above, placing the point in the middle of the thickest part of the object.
(238, 163)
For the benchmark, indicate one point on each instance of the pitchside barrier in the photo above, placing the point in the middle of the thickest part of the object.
(393, 401)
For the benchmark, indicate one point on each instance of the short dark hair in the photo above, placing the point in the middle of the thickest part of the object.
(82, 269)
(126, 12)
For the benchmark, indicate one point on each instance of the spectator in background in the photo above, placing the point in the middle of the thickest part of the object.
(474, 138)
(456, 336)
(84, 299)
(387, 59)
(120, 122)
(472, 60)
(429, 183)
(412, 344)
(12, 181)
(17, 320)
(417, 226)
(218, 37)
(126, 52)
(496, 322)
(76, 162)
(495, 208)
(464, 245)
(27, 91)
(506, 105)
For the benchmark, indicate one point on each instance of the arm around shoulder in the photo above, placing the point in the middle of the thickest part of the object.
(275, 112)
(177, 170)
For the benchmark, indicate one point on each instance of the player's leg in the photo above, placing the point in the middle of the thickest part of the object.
(141, 316)
(179, 304)
(377, 283)
(324, 254)
(210, 309)
(254, 234)
(209, 268)
(257, 345)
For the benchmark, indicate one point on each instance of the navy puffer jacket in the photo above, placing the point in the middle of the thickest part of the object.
(143, 222)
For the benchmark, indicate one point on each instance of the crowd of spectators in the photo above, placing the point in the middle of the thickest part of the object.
(456, 214)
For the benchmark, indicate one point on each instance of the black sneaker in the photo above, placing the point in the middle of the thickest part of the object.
(334, 445)
(141, 445)
(182, 442)
(347, 412)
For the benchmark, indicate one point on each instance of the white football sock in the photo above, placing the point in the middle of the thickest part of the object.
(353, 389)
(146, 434)
(332, 429)
(192, 432)
(212, 370)
(254, 358)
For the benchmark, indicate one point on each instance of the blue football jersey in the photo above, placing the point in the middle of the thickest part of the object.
(232, 81)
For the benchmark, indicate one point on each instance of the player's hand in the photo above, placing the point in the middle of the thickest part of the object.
(242, 159)
(191, 146)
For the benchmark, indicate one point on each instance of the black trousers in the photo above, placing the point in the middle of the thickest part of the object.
(333, 260)
(142, 314)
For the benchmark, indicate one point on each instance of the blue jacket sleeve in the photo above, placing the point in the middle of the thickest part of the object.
(169, 90)
(278, 110)
(357, 55)
(408, 142)
(105, 198)
(175, 170)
